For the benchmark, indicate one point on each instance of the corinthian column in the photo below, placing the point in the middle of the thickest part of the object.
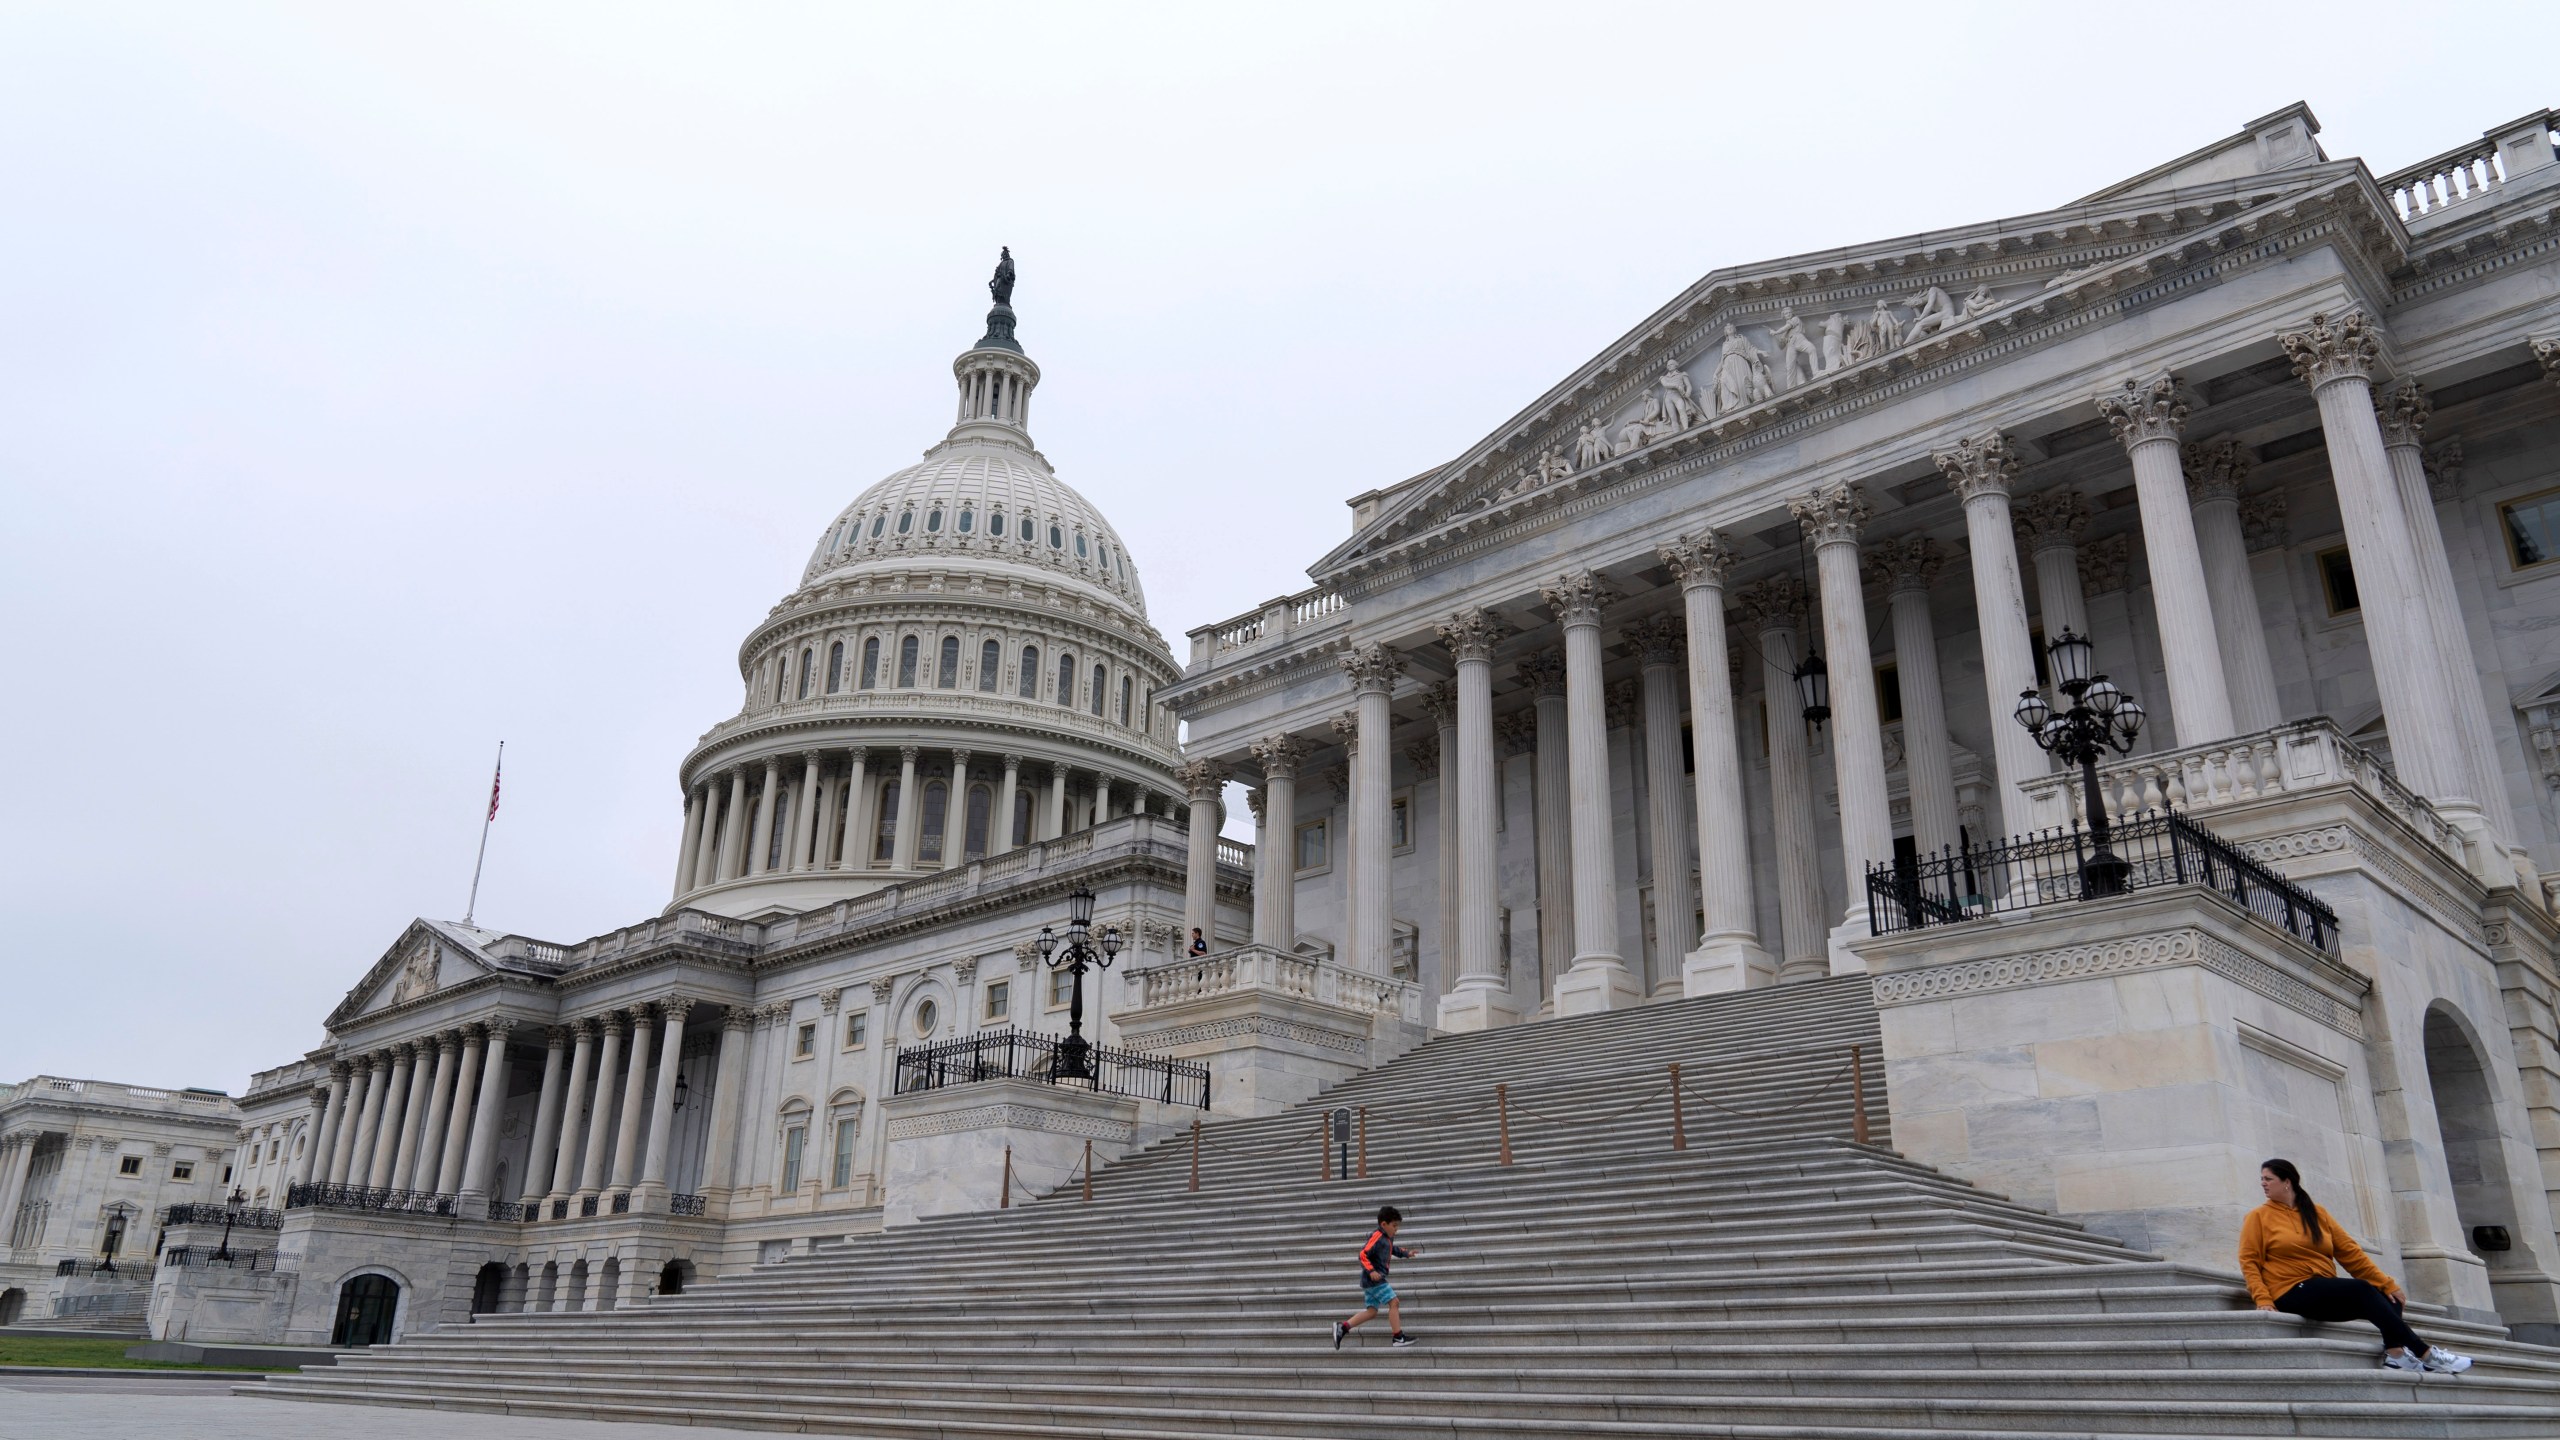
(564, 1168)
(1907, 567)
(689, 850)
(439, 1112)
(635, 1099)
(2050, 527)
(760, 841)
(333, 1125)
(2337, 359)
(802, 850)
(390, 1130)
(1478, 1000)
(1438, 757)
(1275, 889)
(457, 1134)
(483, 1157)
(1000, 822)
(955, 814)
(2215, 473)
(733, 840)
(2148, 417)
(1551, 786)
(364, 1099)
(662, 1106)
(1728, 956)
(1599, 979)
(1373, 669)
(2404, 413)
(1202, 782)
(719, 1158)
(1658, 644)
(902, 846)
(315, 1134)
(1832, 518)
(1775, 608)
(546, 1119)
(600, 1119)
(1980, 472)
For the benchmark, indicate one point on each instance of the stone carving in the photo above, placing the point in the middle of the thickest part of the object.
(2444, 470)
(1337, 778)
(1577, 597)
(1984, 465)
(1624, 701)
(2340, 349)
(1883, 329)
(1026, 954)
(1471, 634)
(1201, 781)
(2158, 950)
(417, 976)
(965, 970)
(1735, 369)
(1679, 398)
(1346, 729)
(1253, 799)
(1705, 558)
(1591, 447)
(2106, 565)
(1373, 668)
(2403, 410)
(1775, 603)
(1937, 315)
(1658, 639)
(1543, 673)
(1440, 702)
(1424, 757)
(2547, 351)
(1798, 360)
(1280, 755)
(2053, 520)
(1517, 732)
(1908, 563)
(829, 999)
(2145, 410)
(1644, 429)
(2262, 524)
(1835, 343)
(2216, 469)
(1833, 514)
(1980, 303)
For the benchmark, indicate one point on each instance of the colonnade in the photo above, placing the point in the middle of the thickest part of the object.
(2212, 646)
(899, 809)
(420, 1115)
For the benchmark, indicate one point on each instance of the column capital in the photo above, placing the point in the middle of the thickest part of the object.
(1201, 781)
(340, 1071)
(583, 1028)
(449, 1042)
(1661, 639)
(1471, 634)
(1337, 778)
(737, 1019)
(1424, 756)
(1910, 563)
(2107, 566)
(1700, 560)
(1623, 701)
(1373, 668)
(1517, 732)
(675, 1007)
(2141, 411)
(1543, 673)
(965, 969)
(829, 999)
(772, 765)
(1577, 597)
(883, 991)
(1280, 755)
(612, 1023)
(1832, 515)
(1346, 729)
(2216, 470)
(498, 1027)
(2403, 410)
(1978, 465)
(2546, 350)
(2262, 522)
(2444, 470)
(813, 757)
(2050, 519)
(959, 761)
(856, 753)
(1013, 760)
(2343, 347)
(319, 1096)
(1440, 702)
(1777, 603)
(1253, 799)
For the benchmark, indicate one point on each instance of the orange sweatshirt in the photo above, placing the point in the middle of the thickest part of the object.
(2276, 1253)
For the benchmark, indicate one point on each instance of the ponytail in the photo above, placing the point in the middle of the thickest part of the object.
(2302, 1204)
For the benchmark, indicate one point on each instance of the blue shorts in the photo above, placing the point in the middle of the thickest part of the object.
(1378, 1296)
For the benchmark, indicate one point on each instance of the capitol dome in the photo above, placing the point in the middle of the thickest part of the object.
(965, 667)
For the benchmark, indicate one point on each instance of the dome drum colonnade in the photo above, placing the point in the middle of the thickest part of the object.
(966, 668)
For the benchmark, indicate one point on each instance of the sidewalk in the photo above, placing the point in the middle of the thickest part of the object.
(90, 1407)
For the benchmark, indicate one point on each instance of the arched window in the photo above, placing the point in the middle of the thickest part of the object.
(990, 660)
(878, 522)
(906, 521)
(1066, 679)
(995, 525)
(1022, 816)
(937, 806)
(968, 519)
(884, 844)
(835, 667)
(907, 663)
(950, 662)
(1030, 672)
(933, 521)
(871, 662)
(781, 677)
(1027, 527)
(1057, 538)
(808, 668)
(1101, 680)
(1127, 691)
(981, 801)
(781, 827)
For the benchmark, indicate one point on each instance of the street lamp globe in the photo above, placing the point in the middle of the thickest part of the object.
(2102, 696)
(2072, 660)
(1080, 908)
(1813, 687)
(2032, 710)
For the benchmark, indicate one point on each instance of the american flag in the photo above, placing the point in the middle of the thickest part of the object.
(494, 777)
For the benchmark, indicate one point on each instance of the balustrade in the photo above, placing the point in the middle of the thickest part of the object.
(1261, 968)
(2468, 172)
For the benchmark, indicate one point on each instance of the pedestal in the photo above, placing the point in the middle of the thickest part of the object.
(1478, 1007)
(1592, 986)
(947, 1147)
(1273, 1028)
(1724, 963)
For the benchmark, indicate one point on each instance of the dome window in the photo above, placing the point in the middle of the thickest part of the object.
(1057, 538)
(879, 522)
(807, 669)
(1030, 672)
(995, 525)
(1101, 680)
(1066, 680)
(1026, 529)
(950, 676)
(835, 667)
(871, 663)
(968, 519)
(990, 660)
(933, 521)
(1080, 552)
(906, 521)
(907, 663)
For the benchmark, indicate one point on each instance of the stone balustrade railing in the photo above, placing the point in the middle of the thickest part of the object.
(1235, 855)
(1259, 967)
(2467, 172)
(1276, 620)
(2289, 759)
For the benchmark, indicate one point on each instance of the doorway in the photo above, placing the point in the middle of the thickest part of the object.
(367, 1304)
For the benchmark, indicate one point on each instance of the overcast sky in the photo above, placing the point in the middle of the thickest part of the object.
(379, 383)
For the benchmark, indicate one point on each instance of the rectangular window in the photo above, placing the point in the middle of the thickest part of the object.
(842, 1175)
(1400, 822)
(1313, 851)
(2532, 527)
(182, 1170)
(808, 1042)
(999, 996)
(1888, 693)
(2338, 581)
(129, 1165)
(794, 1140)
(1062, 984)
(857, 1029)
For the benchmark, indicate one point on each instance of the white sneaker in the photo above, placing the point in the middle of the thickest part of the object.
(2404, 1361)
(2445, 1362)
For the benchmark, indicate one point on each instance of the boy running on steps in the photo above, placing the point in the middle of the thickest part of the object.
(1375, 1293)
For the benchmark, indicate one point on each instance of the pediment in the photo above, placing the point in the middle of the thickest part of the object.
(1758, 346)
(427, 958)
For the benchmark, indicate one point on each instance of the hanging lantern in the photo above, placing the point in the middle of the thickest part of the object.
(1813, 688)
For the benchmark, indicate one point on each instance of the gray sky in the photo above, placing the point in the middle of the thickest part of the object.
(378, 383)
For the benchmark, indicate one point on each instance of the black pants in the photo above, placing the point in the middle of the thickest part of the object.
(2340, 1298)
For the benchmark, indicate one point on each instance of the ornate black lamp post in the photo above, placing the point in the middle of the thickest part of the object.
(1075, 1053)
(1813, 687)
(230, 1217)
(2101, 719)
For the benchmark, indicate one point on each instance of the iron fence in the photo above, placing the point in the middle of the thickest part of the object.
(1010, 1054)
(364, 1197)
(219, 1214)
(196, 1257)
(2157, 848)
(684, 1204)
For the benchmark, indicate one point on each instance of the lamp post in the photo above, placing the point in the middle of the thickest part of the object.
(2101, 719)
(1075, 1053)
(230, 1217)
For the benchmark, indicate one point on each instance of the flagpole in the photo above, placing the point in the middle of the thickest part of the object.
(473, 908)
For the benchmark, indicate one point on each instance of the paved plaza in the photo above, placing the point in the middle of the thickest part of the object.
(80, 1407)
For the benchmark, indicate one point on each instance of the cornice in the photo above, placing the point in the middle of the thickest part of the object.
(1015, 598)
(784, 736)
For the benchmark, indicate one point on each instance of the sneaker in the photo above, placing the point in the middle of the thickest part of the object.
(2445, 1362)
(2403, 1361)
(1339, 1330)
(1402, 1340)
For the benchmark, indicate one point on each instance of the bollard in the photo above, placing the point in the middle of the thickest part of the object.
(1364, 1142)
(1005, 1200)
(1679, 1130)
(1088, 1170)
(1195, 1153)
(1857, 1094)
(1502, 1113)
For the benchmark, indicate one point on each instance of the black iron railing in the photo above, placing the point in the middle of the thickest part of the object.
(1010, 1054)
(2161, 847)
(219, 1214)
(684, 1204)
(622, 1202)
(365, 1197)
(515, 1211)
(586, 1206)
(560, 1208)
(198, 1257)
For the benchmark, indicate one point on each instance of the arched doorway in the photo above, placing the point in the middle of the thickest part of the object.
(367, 1304)
(13, 1303)
(2474, 1151)
(487, 1287)
(672, 1279)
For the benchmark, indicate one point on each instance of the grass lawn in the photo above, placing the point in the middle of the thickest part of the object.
(105, 1353)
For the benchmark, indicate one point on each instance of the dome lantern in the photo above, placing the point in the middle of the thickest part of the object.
(996, 378)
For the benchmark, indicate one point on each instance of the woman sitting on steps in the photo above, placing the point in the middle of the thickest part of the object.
(2290, 1251)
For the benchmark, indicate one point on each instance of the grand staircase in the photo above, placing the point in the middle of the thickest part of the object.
(1773, 1278)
